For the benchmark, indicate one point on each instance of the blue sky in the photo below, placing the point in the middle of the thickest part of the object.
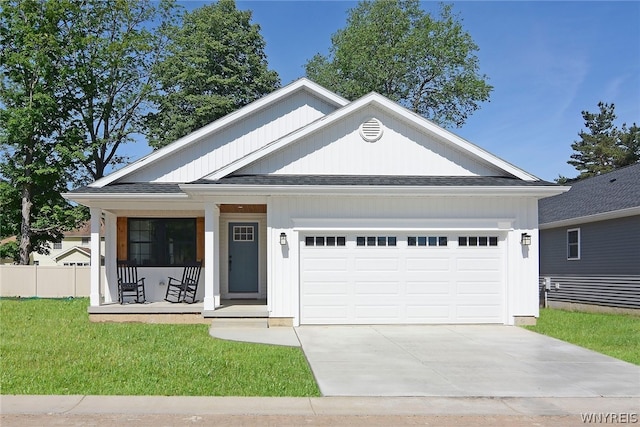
(547, 61)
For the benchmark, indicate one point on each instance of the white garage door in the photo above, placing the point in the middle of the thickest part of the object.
(392, 279)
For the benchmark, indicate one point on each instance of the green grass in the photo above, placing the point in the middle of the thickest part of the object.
(615, 335)
(50, 347)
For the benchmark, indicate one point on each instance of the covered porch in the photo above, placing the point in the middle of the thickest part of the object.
(225, 290)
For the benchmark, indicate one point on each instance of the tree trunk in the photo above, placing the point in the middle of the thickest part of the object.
(25, 226)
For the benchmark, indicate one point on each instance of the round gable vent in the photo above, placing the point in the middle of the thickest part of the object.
(371, 130)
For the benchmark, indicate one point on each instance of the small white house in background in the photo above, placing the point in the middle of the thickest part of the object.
(73, 249)
(334, 212)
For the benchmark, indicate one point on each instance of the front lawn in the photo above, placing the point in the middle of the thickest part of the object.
(50, 347)
(616, 335)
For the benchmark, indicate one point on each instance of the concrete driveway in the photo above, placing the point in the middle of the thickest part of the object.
(482, 360)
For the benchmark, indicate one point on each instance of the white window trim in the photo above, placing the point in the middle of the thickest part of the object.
(579, 244)
(242, 233)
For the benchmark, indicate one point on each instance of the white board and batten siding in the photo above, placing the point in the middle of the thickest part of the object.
(402, 284)
(235, 141)
(401, 150)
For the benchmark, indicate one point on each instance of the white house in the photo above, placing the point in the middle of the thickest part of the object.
(73, 249)
(335, 212)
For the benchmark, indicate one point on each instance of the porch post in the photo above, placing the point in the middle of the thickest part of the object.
(110, 255)
(211, 256)
(94, 297)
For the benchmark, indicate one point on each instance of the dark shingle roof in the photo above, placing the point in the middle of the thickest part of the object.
(318, 180)
(613, 191)
(132, 188)
(372, 180)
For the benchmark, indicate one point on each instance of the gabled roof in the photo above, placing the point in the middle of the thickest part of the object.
(376, 100)
(234, 175)
(262, 103)
(84, 230)
(84, 251)
(614, 194)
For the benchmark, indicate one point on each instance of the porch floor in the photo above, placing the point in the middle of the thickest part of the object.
(228, 308)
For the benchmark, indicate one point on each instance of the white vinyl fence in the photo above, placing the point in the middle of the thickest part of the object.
(45, 282)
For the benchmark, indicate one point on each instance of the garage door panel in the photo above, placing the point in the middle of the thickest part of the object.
(326, 264)
(428, 288)
(373, 313)
(478, 313)
(377, 288)
(473, 265)
(428, 265)
(478, 288)
(327, 288)
(428, 313)
(376, 264)
(326, 314)
(402, 284)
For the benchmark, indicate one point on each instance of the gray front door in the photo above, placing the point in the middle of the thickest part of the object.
(243, 257)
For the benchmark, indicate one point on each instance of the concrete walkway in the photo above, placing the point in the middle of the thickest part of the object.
(275, 336)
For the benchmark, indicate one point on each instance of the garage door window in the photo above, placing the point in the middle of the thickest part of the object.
(427, 241)
(376, 241)
(477, 241)
(324, 241)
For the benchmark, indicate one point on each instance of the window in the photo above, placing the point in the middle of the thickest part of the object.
(243, 233)
(573, 243)
(325, 241)
(162, 241)
(57, 245)
(86, 240)
(427, 241)
(376, 241)
(478, 241)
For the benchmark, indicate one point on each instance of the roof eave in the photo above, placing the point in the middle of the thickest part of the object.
(375, 190)
(603, 216)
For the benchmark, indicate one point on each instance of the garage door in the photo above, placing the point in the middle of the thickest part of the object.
(394, 279)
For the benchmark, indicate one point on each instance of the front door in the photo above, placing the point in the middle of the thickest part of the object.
(243, 257)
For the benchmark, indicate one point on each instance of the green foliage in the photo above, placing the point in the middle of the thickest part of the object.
(9, 208)
(50, 347)
(10, 250)
(75, 78)
(615, 335)
(603, 147)
(113, 46)
(35, 143)
(215, 65)
(394, 48)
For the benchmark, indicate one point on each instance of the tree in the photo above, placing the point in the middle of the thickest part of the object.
(603, 147)
(215, 65)
(35, 145)
(114, 45)
(396, 49)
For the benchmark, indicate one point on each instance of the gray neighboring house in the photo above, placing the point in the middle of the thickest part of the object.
(590, 242)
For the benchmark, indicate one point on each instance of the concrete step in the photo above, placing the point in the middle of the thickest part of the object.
(239, 322)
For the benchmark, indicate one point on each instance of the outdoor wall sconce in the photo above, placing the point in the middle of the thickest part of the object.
(283, 239)
(525, 239)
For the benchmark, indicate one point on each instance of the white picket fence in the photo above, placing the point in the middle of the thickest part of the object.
(28, 281)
